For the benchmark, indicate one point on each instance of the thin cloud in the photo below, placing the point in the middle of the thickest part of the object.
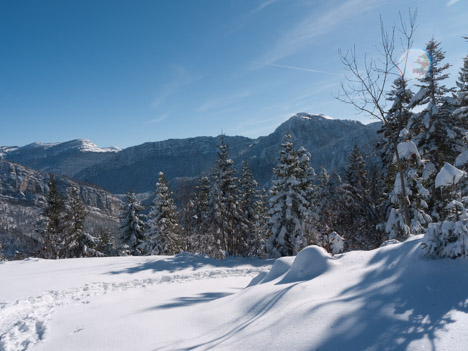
(315, 25)
(451, 3)
(182, 78)
(302, 69)
(159, 119)
(246, 18)
(221, 102)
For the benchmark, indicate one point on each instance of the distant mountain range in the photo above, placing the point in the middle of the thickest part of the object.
(135, 168)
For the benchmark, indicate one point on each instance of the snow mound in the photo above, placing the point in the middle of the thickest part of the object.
(279, 268)
(448, 176)
(309, 263)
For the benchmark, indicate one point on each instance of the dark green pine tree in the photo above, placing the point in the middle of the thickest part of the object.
(163, 234)
(52, 224)
(2, 256)
(355, 210)
(224, 216)
(356, 173)
(251, 206)
(106, 244)
(201, 239)
(131, 226)
(77, 242)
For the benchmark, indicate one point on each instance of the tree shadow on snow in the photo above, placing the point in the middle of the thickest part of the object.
(233, 327)
(412, 303)
(185, 261)
(190, 300)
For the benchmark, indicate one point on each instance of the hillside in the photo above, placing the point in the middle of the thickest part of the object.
(23, 194)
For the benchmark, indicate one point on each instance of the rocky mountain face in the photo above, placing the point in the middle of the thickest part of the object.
(66, 158)
(136, 168)
(23, 194)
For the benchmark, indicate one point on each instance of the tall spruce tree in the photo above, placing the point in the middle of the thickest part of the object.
(202, 239)
(224, 216)
(324, 207)
(163, 233)
(289, 206)
(435, 130)
(77, 242)
(416, 194)
(52, 223)
(131, 226)
(251, 207)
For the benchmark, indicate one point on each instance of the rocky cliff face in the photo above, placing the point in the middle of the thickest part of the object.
(23, 194)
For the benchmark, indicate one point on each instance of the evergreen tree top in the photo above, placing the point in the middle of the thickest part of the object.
(432, 81)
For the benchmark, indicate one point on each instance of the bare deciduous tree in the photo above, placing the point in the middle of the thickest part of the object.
(367, 83)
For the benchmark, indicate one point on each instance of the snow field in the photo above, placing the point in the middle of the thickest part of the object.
(24, 321)
(391, 298)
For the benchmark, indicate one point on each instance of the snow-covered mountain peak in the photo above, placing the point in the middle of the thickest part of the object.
(305, 115)
(86, 145)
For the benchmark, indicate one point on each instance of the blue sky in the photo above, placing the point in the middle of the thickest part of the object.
(122, 73)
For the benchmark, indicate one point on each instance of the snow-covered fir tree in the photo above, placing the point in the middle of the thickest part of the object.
(77, 242)
(435, 130)
(449, 238)
(131, 226)
(52, 222)
(288, 206)
(223, 212)
(416, 193)
(397, 119)
(252, 210)
(163, 231)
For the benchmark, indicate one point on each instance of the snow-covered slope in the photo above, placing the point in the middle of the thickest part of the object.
(391, 298)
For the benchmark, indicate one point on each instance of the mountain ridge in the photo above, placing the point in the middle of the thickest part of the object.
(135, 168)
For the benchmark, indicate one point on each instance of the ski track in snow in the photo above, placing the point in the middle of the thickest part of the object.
(24, 322)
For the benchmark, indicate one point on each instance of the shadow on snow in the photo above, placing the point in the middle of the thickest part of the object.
(413, 301)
